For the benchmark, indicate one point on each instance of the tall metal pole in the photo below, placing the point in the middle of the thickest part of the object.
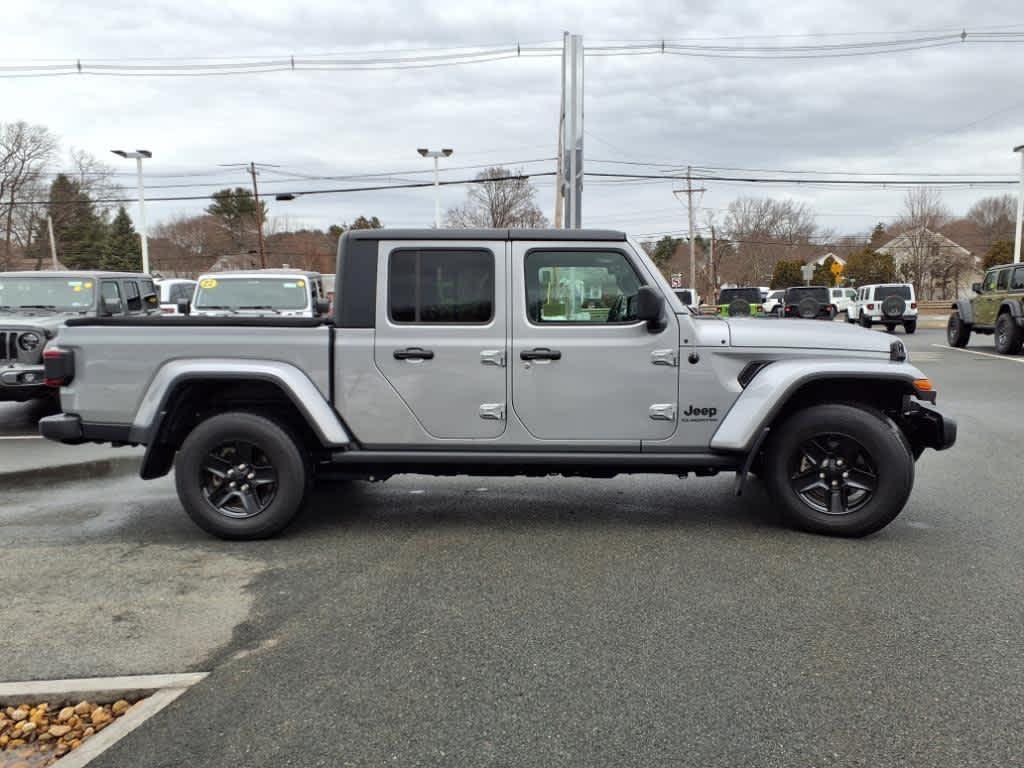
(53, 242)
(259, 215)
(689, 205)
(560, 160)
(142, 217)
(711, 260)
(574, 134)
(437, 196)
(1020, 207)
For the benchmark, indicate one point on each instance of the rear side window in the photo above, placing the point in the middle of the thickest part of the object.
(1003, 283)
(150, 299)
(580, 287)
(1017, 283)
(132, 298)
(441, 286)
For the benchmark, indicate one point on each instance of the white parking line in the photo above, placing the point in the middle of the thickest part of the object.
(983, 354)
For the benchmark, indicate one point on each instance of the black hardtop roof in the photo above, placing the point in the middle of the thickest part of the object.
(485, 234)
(79, 273)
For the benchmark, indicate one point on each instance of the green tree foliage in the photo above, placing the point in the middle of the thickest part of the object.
(823, 274)
(786, 274)
(661, 253)
(878, 236)
(123, 251)
(236, 211)
(867, 267)
(1001, 252)
(362, 222)
(78, 229)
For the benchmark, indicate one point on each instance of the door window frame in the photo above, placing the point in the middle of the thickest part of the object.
(640, 275)
(1003, 279)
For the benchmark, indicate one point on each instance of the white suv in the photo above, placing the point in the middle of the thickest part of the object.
(260, 292)
(889, 304)
(842, 299)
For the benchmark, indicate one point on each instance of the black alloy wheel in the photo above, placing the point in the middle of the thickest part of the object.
(238, 479)
(833, 474)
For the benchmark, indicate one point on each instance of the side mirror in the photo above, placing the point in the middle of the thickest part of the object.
(112, 307)
(321, 306)
(650, 306)
(184, 306)
(976, 287)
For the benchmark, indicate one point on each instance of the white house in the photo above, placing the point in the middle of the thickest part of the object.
(938, 267)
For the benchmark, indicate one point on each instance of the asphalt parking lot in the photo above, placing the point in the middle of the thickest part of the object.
(643, 620)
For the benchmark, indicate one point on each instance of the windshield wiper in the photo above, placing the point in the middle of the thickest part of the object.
(37, 306)
(263, 306)
(217, 306)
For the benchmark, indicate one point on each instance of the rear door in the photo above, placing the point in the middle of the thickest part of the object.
(583, 366)
(442, 333)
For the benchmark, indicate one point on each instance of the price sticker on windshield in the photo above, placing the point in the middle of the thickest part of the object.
(300, 283)
(208, 283)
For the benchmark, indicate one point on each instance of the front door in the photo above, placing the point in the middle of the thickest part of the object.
(583, 367)
(441, 334)
(985, 305)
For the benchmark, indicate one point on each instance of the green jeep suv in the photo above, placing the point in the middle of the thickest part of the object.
(996, 308)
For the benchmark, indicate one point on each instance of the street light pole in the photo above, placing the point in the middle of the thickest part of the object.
(138, 155)
(1020, 206)
(436, 154)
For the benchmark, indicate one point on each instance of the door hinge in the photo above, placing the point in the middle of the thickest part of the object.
(664, 357)
(493, 357)
(492, 411)
(662, 411)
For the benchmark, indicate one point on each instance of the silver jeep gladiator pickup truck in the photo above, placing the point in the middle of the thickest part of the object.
(499, 352)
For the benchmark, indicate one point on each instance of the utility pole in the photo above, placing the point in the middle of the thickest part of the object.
(53, 242)
(689, 207)
(711, 261)
(259, 215)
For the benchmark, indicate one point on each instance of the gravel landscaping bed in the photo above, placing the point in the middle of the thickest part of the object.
(33, 735)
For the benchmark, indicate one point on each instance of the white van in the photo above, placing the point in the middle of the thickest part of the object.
(889, 304)
(260, 293)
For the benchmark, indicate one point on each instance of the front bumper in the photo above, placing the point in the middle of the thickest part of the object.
(926, 428)
(23, 382)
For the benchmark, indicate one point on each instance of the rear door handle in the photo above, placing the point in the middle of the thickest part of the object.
(540, 353)
(414, 353)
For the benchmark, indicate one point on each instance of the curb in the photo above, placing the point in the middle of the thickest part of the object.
(160, 691)
(82, 470)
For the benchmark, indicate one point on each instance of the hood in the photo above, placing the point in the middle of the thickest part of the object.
(805, 334)
(35, 319)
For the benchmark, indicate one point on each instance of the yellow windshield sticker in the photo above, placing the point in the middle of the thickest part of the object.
(208, 283)
(77, 288)
(88, 285)
(301, 284)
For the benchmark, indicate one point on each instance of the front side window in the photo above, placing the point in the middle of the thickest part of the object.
(587, 287)
(990, 283)
(449, 286)
(1003, 283)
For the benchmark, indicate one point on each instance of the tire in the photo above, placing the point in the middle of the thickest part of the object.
(1008, 335)
(264, 450)
(958, 333)
(880, 457)
(890, 328)
(910, 326)
(849, 319)
(865, 321)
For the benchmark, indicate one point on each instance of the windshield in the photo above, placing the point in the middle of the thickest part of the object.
(280, 293)
(60, 293)
(795, 295)
(728, 295)
(883, 292)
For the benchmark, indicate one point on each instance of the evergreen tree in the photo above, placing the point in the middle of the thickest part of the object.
(123, 251)
(79, 230)
(786, 275)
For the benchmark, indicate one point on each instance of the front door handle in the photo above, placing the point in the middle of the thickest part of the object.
(540, 353)
(414, 353)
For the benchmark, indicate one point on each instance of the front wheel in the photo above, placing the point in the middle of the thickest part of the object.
(910, 326)
(865, 321)
(849, 317)
(958, 333)
(241, 476)
(1008, 335)
(839, 469)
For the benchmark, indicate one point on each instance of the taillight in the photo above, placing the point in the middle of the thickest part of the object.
(789, 310)
(871, 306)
(913, 305)
(167, 310)
(58, 366)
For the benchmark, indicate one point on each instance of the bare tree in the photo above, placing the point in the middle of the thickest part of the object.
(764, 231)
(498, 201)
(995, 217)
(95, 178)
(25, 150)
(921, 258)
(187, 245)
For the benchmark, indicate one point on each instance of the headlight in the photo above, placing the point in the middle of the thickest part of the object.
(29, 341)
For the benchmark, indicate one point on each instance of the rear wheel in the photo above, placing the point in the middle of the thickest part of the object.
(958, 333)
(1008, 335)
(839, 469)
(889, 328)
(241, 476)
(910, 326)
(865, 321)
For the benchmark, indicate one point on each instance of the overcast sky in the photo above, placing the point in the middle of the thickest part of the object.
(914, 112)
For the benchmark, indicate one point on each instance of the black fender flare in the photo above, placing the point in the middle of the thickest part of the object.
(1013, 306)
